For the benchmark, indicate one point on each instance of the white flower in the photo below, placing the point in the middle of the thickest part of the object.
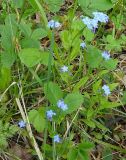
(106, 55)
(64, 69)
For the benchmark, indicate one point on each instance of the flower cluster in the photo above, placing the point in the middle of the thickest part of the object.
(62, 105)
(106, 90)
(106, 55)
(22, 124)
(53, 24)
(92, 24)
(50, 114)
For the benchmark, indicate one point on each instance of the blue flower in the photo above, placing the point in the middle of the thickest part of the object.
(62, 105)
(91, 24)
(50, 114)
(53, 24)
(22, 124)
(83, 45)
(57, 139)
(101, 17)
(106, 55)
(106, 90)
(64, 69)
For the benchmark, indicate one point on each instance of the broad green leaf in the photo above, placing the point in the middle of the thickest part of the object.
(39, 33)
(54, 6)
(53, 92)
(45, 58)
(25, 29)
(30, 43)
(96, 86)
(8, 58)
(37, 119)
(88, 34)
(93, 57)
(73, 100)
(5, 78)
(30, 56)
(89, 6)
(18, 4)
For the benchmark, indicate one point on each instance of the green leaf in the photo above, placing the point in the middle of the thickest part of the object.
(30, 56)
(54, 6)
(72, 154)
(90, 123)
(89, 6)
(39, 33)
(93, 57)
(79, 84)
(85, 146)
(110, 64)
(5, 78)
(37, 119)
(45, 58)
(88, 34)
(25, 29)
(53, 92)
(73, 100)
(30, 43)
(18, 4)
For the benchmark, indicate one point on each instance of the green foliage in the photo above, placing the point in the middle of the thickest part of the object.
(74, 101)
(37, 118)
(54, 6)
(53, 92)
(5, 78)
(6, 131)
(89, 5)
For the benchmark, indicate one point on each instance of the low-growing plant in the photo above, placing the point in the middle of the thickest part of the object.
(60, 68)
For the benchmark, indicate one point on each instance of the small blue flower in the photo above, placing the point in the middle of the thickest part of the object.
(64, 69)
(106, 55)
(22, 124)
(62, 105)
(83, 45)
(50, 114)
(53, 24)
(101, 17)
(106, 90)
(57, 139)
(91, 24)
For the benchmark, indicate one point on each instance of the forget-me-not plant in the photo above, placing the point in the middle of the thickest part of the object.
(106, 90)
(62, 105)
(64, 69)
(57, 138)
(22, 124)
(53, 24)
(106, 55)
(100, 17)
(82, 45)
(50, 114)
